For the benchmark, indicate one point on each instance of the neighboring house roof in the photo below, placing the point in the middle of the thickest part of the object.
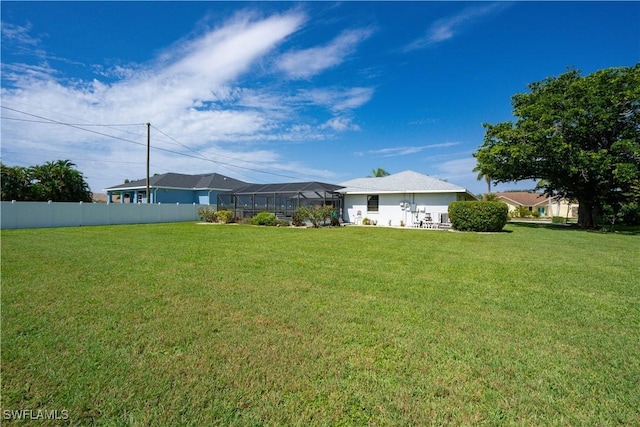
(523, 198)
(306, 189)
(403, 182)
(207, 181)
(99, 197)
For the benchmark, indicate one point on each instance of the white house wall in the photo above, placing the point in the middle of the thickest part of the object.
(391, 214)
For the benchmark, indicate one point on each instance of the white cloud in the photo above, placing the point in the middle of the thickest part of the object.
(303, 64)
(192, 92)
(18, 34)
(20, 71)
(180, 93)
(337, 100)
(457, 167)
(406, 150)
(340, 124)
(447, 28)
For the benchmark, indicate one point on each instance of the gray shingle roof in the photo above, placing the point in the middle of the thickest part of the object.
(287, 188)
(177, 180)
(403, 182)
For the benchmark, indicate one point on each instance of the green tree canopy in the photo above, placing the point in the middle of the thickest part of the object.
(379, 172)
(57, 181)
(579, 135)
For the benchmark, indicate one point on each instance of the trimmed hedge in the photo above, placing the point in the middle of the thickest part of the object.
(225, 216)
(264, 218)
(478, 215)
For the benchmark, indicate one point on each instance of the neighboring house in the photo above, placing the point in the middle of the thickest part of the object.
(536, 202)
(175, 188)
(403, 198)
(99, 198)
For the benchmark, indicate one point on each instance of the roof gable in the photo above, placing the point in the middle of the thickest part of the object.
(403, 182)
(523, 198)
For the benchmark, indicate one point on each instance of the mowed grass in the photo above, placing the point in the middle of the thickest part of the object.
(187, 324)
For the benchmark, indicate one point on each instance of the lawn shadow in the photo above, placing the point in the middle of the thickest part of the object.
(617, 229)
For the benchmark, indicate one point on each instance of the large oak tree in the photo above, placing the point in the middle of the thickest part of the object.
(580, 136)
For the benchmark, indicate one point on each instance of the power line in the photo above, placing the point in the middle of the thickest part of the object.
(64, 123)
(23, 120)
(179, 143)
(85, 122)
(231, 158)
(202, 157)
(52, 121)
(198, 157)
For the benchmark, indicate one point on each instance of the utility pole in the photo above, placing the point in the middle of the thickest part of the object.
(148, 149)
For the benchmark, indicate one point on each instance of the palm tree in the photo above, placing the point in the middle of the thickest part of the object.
(16, 183)
(60, 181)
(380, 172)
(483, 175)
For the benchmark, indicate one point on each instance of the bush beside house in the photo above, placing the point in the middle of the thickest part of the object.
(480, 216)
(210, 215)
(264, 218)
(225, 216)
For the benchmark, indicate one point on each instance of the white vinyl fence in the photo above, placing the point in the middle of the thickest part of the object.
(51, 214)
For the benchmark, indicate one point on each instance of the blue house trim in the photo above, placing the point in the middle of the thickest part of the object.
(175, 188)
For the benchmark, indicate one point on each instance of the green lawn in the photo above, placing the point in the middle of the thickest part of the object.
(187, 324)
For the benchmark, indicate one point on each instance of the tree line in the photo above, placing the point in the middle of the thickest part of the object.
(58, 181)
(579, 137)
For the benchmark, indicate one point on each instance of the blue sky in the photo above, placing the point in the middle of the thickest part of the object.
(285, 91)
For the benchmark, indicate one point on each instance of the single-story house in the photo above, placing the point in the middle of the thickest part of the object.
(201, 189)
(404, 198)
(537, 202)
(282, 199)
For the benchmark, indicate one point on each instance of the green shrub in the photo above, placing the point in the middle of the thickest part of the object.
(536, 214)
(558, 220)
(335, 218)
(478, 215)
(317, 215)
(225, 216)
(264, 218)
(521, 212)
(207, 215)
(298, 218)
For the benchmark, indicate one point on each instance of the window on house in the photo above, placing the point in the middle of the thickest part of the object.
(372, 203)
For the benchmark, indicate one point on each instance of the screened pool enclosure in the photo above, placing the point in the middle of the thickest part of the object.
(280, 199)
